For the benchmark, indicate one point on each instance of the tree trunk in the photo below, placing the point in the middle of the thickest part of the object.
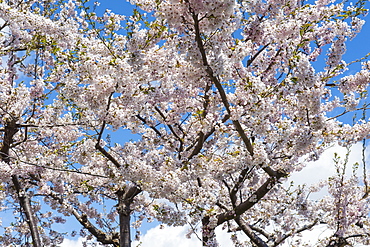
(205, 222)
(208, 233)
(124, 221)
(25, 204)
(249, 232)
(10, 129)
(125, 199)
(337, 242)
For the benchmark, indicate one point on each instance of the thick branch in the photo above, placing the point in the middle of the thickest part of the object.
(251, 201)
(202, 138)
(125, 199)
(199, 145)
(208, 232)
(107, 155)
(10, 130)
(223, 96)
(102, 150)
(237, 185)
(337, 242)
(261, 231)
(99, 234)
(84, 221)
(274, 175)
(249, 232)
(25, 204)
(218, 85)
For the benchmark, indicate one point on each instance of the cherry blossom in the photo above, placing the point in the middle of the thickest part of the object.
(223, 101)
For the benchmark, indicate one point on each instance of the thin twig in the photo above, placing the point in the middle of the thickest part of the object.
(58, 169)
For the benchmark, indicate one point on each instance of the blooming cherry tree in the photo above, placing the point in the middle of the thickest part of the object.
(224, 100)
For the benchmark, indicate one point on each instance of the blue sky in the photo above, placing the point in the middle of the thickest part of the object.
(356, 48)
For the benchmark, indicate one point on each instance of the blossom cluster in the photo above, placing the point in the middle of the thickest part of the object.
(222, 101)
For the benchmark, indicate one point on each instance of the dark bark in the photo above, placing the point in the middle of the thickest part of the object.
(249, 232)
(205, 223)
(125, 196)
(10, 129)
(338, 242)
(25, 203)
(303, 228)
(274, 176)
(100, 236)
(125, 199)
(251, 201)
(208, 232)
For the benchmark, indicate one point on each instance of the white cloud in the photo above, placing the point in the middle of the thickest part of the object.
(313, 173)
(168, 236)
(171, 236)
(72, 243)
(311, 237)
(78, 242)
(324, 167)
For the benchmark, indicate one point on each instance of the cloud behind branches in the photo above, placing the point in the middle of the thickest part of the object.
(314, 172)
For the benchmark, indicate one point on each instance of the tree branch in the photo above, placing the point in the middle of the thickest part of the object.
(10, 129)
(169, 125)
(249, 232)
(285, 236)
(223, 96)
(107, 155)
(101, 236)
(250, 61)
(125, 199)
(25, 204)
(58, 169)
(251, 201)
(150, 126)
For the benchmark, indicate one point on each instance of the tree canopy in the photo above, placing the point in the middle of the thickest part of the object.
(223, 101)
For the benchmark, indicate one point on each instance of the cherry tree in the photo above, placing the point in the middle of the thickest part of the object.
(224, 100)
(35, 131)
